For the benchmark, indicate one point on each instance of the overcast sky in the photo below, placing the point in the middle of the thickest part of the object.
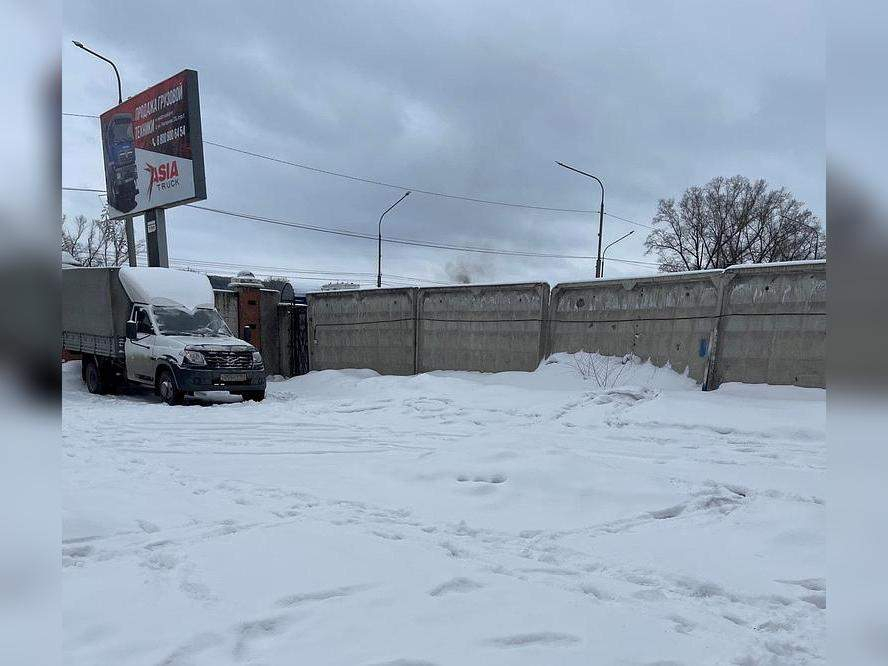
(457, 98)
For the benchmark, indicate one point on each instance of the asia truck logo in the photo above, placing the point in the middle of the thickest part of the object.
(165, 176)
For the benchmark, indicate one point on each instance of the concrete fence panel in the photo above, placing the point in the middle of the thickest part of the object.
(773, 325)
(491, 328)
(363, 329)
(667, 318)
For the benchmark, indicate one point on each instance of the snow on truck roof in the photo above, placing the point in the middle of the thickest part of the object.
(167, 286)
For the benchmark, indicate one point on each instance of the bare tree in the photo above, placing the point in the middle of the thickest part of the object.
(606, 371)
(733, 221)
(96, 242)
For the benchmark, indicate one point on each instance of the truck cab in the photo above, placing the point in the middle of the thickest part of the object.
(177, 342)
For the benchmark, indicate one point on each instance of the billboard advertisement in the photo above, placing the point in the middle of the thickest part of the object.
(152, 148)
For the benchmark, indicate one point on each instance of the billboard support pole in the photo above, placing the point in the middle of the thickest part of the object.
(156, 238)
(130, 240)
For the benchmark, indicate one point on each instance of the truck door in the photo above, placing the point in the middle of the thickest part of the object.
(140, 352)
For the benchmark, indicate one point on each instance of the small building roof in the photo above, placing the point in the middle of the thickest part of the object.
(285, 287)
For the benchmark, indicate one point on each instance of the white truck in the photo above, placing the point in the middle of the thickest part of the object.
(156, 327)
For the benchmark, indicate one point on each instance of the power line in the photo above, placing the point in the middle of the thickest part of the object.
(398, 241)
(403, 241)
(202, 265)
(395, 186)
(381, 183)
(298, 272)
(83, 189)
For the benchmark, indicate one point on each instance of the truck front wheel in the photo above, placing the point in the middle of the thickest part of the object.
(92, 375)
(166, 387)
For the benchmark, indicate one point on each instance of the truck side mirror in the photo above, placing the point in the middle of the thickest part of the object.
(248, 333)
(131, 330)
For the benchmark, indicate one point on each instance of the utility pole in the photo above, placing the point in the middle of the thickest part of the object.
(599, 267)
(379, 254)
(128, 220)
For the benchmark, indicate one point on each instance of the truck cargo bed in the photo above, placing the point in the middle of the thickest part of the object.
(95, 308)
(101, 345)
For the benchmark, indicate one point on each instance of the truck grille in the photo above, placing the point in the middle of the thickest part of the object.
(229, 359)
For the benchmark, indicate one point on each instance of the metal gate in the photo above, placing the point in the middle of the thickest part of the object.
(299, 342)
(292, 326)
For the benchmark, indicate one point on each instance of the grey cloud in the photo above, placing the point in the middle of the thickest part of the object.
(456, 97)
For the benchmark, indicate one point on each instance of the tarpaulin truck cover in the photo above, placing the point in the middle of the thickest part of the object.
(94, 302)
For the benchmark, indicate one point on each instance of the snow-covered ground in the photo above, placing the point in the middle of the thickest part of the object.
(447, 518)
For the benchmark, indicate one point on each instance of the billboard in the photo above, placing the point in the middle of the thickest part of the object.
(152, 148)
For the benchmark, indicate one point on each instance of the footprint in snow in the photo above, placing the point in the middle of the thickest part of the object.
(160, 561)
(455, 585)
(147, 526)
(549, 638)
(77, 551)
(452, 550)
(818, 600)
(321, 595)
(391, 536)
(670, 512)
(813, 584)
(479, 478)
(682, 625)
(249, 632)
(596, 592)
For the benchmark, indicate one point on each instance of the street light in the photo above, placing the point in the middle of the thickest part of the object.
(128, 220)
(603, 254)
(79, 45)
(599, 268)
(379, 255)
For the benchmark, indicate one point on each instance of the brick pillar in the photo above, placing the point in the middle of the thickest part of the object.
(248, 313)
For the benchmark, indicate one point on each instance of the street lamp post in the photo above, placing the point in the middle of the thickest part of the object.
(379, 254)
(606, 247)
(128, 220)
(599, 268)
(80, 45)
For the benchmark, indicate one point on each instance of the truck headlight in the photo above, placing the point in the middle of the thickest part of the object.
(257, 359)
(194, 357)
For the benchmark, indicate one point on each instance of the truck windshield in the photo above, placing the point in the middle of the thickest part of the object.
(121, 131)
(176, 321)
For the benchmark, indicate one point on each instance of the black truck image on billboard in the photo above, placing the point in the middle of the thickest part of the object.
(121, 175)
(152, 148)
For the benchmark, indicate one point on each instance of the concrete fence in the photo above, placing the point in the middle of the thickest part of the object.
(772, 327)
(487, 328)
(758, 323)
(667, 318)
(373, 329)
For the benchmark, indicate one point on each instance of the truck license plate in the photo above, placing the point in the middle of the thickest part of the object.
(233, 378)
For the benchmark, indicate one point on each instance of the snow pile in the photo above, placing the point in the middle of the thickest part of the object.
(447, 518)
(167, 286)
(609, 372)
